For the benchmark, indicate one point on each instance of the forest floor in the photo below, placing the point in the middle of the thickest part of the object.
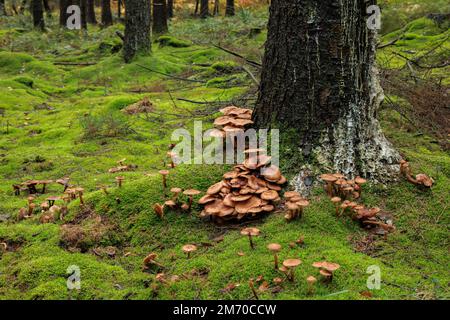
(62, 95)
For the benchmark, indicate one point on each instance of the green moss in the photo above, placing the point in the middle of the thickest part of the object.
(172, 42)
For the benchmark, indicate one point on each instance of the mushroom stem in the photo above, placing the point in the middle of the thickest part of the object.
(251, 241)
(329, 188)
(191, 199)
(252, 287)
(81, 198)
(275, 258)
(291, 274)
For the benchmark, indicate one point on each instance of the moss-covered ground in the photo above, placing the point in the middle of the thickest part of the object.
(64, 119)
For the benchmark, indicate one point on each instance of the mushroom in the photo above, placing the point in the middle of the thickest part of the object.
(191, 193)
(164, 174)
(252, 287)
(292, 210)
(311, 281)
(176, 192)
(302, 204)
(336, 201)
(329, 179)
(44, 206)
(31, 208)
(171, 155)
(290, 265)
(119, 180)
(170, 203)
(51, 200)
(188, 248)
(275, 248)
(80, 192)
(359, 182)
(149, 260)
(250, 232)
(326, 269)
(159, 210)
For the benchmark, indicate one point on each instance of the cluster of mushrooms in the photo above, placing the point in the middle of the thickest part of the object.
(294, 204)
(250, 189)
(344, 193)
(234, 120)
(175, 203)
(122, 167)
(420, 179)
(31, 186)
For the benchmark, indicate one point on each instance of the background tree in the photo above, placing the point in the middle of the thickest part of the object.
(2, 8)
(160, 16)
(216, 7)
(197, 5)
(90, 12)
(106, 13)
(47, 8)
(137, 28)
(170, 8)
(319, 86)
(229, 11)
(63, 4)
(83, 9)
(204, 8)
(37, 10)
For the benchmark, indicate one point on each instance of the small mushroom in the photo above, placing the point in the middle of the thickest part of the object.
(250, 232)
(275, 248)
(176, 192)
(311, 281)
(337, 202)
(164, 174)
(120, 180)
(326, 269)
(170, 203)
(290, 265)
(80, 192)
(329, 179)
(302, 204)
(292, 210)
(149, 260)
(252, 287)
(159, 210)
(188, 248)
(191, 193)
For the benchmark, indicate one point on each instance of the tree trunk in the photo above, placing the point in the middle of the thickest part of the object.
(2, 8)
(216, 7)
(319, 86)
(230, 8)
(63, 16)
(137, 28)
(90, 13)
(170, 8)
(119, 9)
(197, 3)
(159, 17)
(204, 9)
(106, 13)
(83, 9)
(48, 10)
(38, 14)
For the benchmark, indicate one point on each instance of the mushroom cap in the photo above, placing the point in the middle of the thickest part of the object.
(325, 273)
(250, 231)
(291, 263)
(269, 195)
(241, 122)
(360, 180)
(176, 190)
(164, 172)
(81, 190)
(303, 203)
(282, 180)
(215, 133)
(336, 199)
(189, 248)
(222, 121)
(311, 280)
(230, 175)
(292, 205)
(215, 188)
(191, 192)
(206, 199)
(274, 247)
(424, 179)
(255, 151)
(170, 203)
(328, 266)
(295, 199)
(53, 198)
(268, 208)
(271, 173)
(328, 177)
(228, 110)
(159, 209)
(240, 198)
(339, 175)
(244, 206)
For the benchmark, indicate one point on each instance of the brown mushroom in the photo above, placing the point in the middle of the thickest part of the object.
(337, 202)
(164, 174)
(326, 269)
(275, 248)
(159, 210)
(188, 248)
(149, 260)
(120, 180)
(80, 192)
(176, 192)
(250, 232)
(191, 193)
(311, 281)
(291, 264)
(329, 179)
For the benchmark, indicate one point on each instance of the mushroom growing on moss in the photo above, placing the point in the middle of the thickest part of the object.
(337, 203)
(191, 193)
(80, 192)
(326, 269)
(159, 210)
(188, 248)
(329, 179)
(311, 281)
(250, 232)
(290, 265)
(120, 180)
(275, 248)
(176, 192)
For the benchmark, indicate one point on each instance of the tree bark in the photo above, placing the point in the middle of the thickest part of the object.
(137, 28)
(106, 13)
(204, 9)
(159, 17)
(216, 7)
(170, 8)
(37, 10)
(2, 8)
(63, 16)
(90, 13)
(197, 4)
(319, 86)
(47, 8)
(229, 11)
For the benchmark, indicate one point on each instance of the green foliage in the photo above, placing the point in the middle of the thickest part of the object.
(172, 42)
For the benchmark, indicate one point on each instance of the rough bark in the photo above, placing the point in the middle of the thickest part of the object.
(319, 86)
(47, 9)
(229, 11)
(63, 16)
(137, 28)
(197, 4)
(37, 10)
(159, 17)
(170, 8)
(83, 9)
(90, 13)
(216, 7)
(2, 8)
(204, 9)
(106, 13)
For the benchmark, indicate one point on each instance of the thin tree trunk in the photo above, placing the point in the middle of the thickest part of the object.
(119, 9)
(90, 13)
(37, 10)
(137, 28)
(197, 4)
(2, 8)
(229, 11)
(170, 8)
(63, 16)
(204, 9)
(216, 7)
(159, 17)
(319, 86)
(83, 9)
(106, 13)
(22, 7)
(47, 8)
